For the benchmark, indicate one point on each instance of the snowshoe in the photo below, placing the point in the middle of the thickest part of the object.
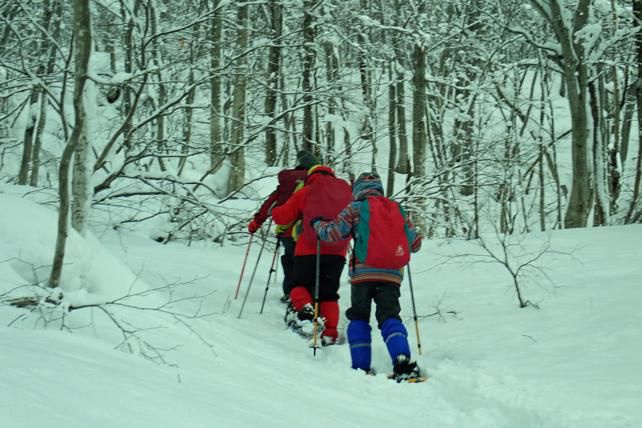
(290, 315)
(406, 370)
(302, 322)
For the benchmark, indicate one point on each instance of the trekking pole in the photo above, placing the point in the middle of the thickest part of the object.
(247, 252)
(272, 269)
(247, 292)
(317, 279)
(414, 310)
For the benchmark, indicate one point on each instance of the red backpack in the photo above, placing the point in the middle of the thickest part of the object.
(382, 236)
(327, 196)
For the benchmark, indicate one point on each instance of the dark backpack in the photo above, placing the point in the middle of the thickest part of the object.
(382, 236)
(289, 180)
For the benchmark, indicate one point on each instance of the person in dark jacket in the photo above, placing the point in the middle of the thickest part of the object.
(372, 283)
(288, 180)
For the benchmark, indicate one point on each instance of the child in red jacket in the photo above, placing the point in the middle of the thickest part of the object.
(375, 223)
(323, 195)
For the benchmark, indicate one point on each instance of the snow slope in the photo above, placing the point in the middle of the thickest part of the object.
(574, 362)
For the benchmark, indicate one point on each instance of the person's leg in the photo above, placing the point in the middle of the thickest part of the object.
(303, 281)
(287, 262)
(393, 331)
(330, 280)
(299, 313)
(359, 331)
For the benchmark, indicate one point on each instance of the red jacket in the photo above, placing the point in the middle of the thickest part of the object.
(293, 210)
(288, 180)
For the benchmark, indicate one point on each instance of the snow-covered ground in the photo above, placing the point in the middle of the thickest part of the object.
(574, 362)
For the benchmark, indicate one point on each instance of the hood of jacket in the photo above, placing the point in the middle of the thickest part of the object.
(367, 184)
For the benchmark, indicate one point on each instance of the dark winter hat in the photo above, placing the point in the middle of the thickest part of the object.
(367, 184)
(306, 159)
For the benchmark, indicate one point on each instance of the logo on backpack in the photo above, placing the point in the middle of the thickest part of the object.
(381, 238)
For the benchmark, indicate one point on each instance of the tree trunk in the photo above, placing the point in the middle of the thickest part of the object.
(403, 162)
(187, 126)
(157, 62)
(273, 72)
(332, 77)
(308, 68)
(419, 123)
(51, 21)
(81, 179)
(37, 104)
(237, 152)
(128, 67)
(601, 209)
(78, 138)
(635, 199)
(216, 131)
(30, 128)
(392, 131)
(576, 78)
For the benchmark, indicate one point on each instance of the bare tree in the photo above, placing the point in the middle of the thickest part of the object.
(237, 150)
(574, 62)
(77, 144)
(309, 58)
(634, 213)
(273, 71)
(216, 44)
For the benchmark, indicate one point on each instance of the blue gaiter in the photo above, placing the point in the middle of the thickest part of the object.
(396, 337)
(359, 339)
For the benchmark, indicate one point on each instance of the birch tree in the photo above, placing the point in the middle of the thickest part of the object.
(77, 143)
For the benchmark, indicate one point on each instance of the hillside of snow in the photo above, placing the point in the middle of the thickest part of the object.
(168, 349)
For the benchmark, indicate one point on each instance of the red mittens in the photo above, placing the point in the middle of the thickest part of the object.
(253, 226)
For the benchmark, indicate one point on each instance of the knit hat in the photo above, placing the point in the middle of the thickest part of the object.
(322, 169)
(367, 184)
(305, 159)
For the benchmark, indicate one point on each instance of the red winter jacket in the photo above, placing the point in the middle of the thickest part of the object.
(288, 180)
(293, 209)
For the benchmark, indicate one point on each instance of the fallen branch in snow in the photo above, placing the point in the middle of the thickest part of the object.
(439, 314)
(54, 308)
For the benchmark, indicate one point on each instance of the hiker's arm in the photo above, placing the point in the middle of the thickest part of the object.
(414, 238)
(337, 229)
(290, 210)
(263, 212)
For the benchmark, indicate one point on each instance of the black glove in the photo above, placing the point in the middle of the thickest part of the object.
(315, 220)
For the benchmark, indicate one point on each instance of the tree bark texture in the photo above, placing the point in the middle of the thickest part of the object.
(273, 72)
(82, 49)
(237, 150)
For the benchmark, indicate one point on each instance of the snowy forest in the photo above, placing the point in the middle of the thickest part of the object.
(139, 137)
(519, 114)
